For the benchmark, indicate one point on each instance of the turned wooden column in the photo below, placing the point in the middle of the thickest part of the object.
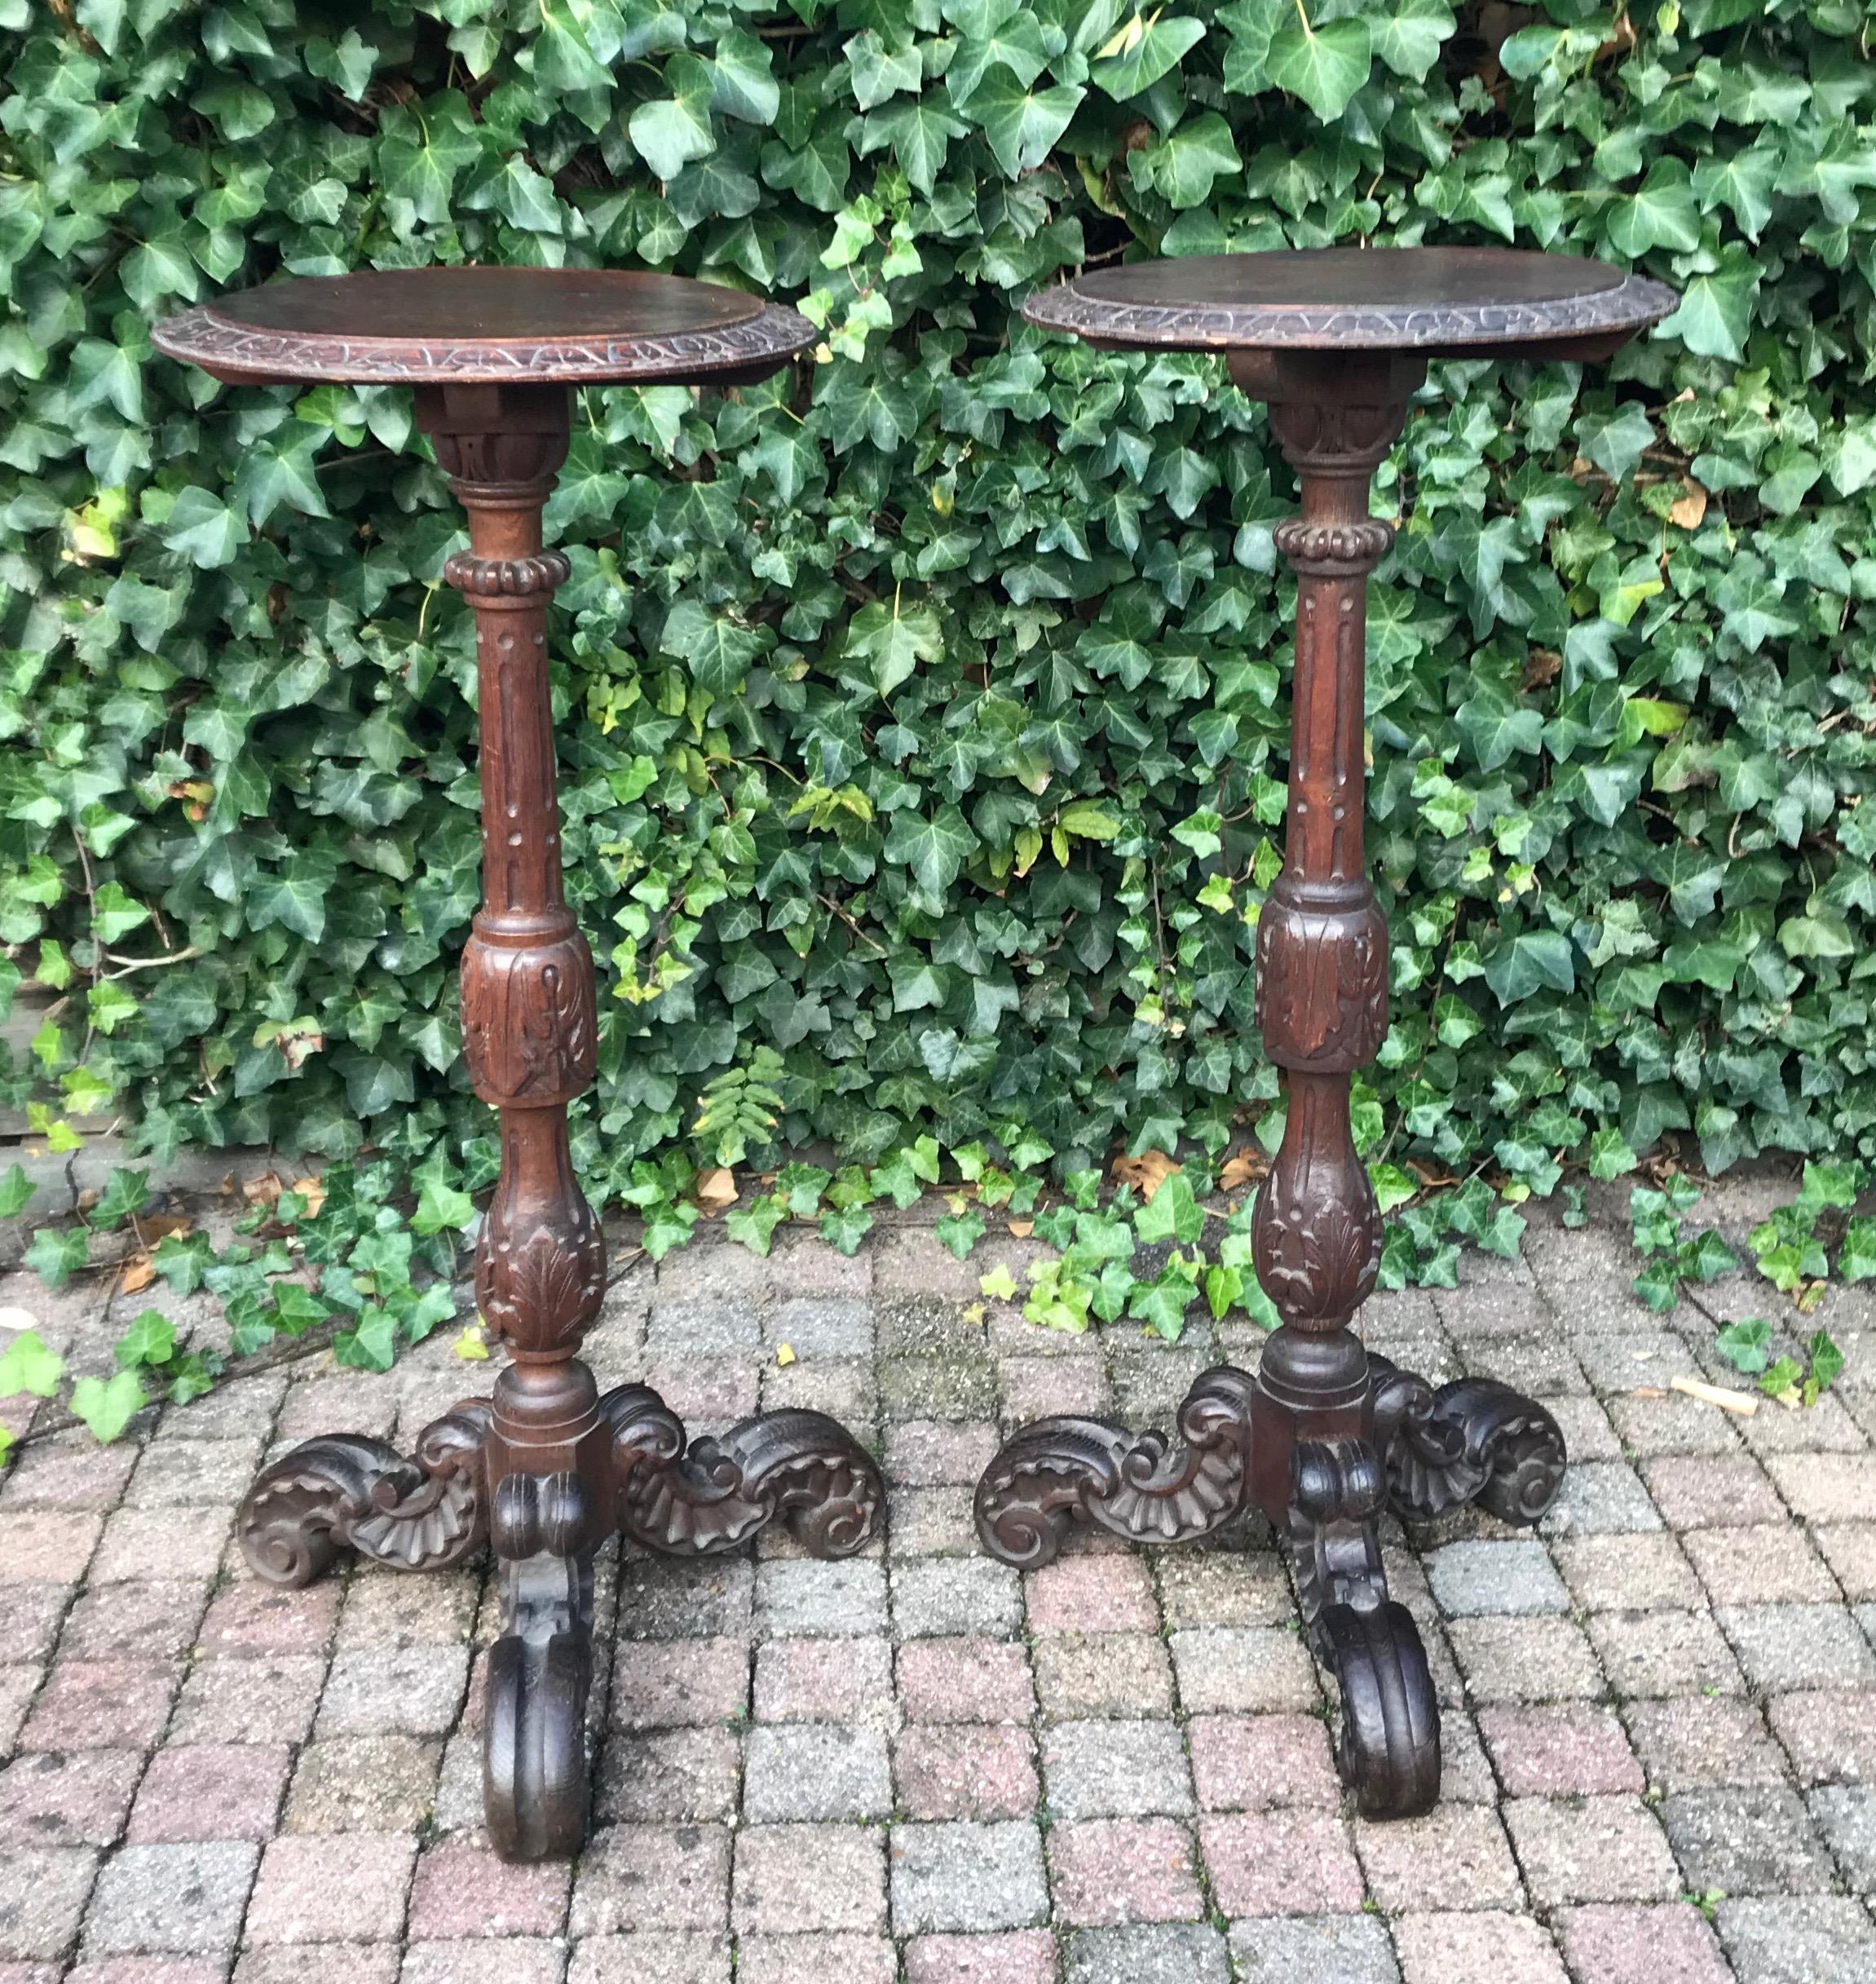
(528, 1024)
(1321, 938)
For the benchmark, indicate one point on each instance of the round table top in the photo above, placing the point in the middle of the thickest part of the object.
(468, 326)
(1373, 299)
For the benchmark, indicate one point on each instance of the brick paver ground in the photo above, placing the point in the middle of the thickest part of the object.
(1660, 1714)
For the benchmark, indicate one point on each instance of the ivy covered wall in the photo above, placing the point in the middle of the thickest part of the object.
(923, 709)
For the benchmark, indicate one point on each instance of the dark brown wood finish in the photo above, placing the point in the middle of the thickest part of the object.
(547, 1469)
(1326, 1435)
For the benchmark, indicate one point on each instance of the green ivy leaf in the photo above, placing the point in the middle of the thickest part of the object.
(27, 1366)
(1022, 125)
(1325, 64)
(107, 1405)
(1142, 52)
(151, 1339)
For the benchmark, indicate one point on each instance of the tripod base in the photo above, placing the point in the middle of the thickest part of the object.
(1418, 1451)
(625, 1466)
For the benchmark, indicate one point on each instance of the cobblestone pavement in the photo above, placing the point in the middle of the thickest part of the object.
(1661, 1751)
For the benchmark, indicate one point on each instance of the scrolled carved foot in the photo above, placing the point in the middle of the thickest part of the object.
(1388, 1751)
(688, 1502)
(1141, 1487)
(1471, 1441)
(348, 1490)
(535, 1770)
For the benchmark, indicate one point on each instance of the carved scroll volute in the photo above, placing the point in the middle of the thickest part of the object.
(529, 1022)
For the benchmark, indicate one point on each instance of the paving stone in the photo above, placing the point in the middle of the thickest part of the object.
(668, 1956)
(1453, 1857)
(239, 1700)
(967, 1680)
(79, 1799)
(1492, 1309)
(1249, 1763)
(967, 1875)
(804, 1596)
(1826, 1487)
(1280, 1863)
(390, 1609)
(1181, 1954)
(1485, 1948)
(1047, 1387)
(834, 1681)
(208, 1791)
(1104, 1872)
(937, 1596)
(1473, 1578)
(1830, 1736)
(100, 1705)
(1746, 1839)
(1697, 1493)
(931, 1522)
(1805, 1939)
(1772, 1563)
(1667, 1942)
(187, 1898)
(1525, 1659)
(363, 1784)
(46, 1546)
(1603, 1498)
(1649, 1655)
(514, 1960)
(176, 1473)
(410, 1691)
(652, 1877)
(1106, 1591)
(926, 1452)
(1341, 1949)
(816, 1959)
(1783, 1646)
(133, 1970)
(701, 1325)
(70, 1471)
(1671, 1424)
(1845, 1815)
(793, 1879)
(18, 1686)
(1116, 1770)
(1016, 1956)
(662, 1598)
(1689, 1741)
(43, 1900)
(1561, 1748)
(966, 1773)
(662, 1684)
(463, 1890)
(155, 1619)
(1251, 1670)
(1604, 1848)
(1632, 1573)
(251, 1618)
(815, 1770)
(182, 1543)
(1849, 1549)
(336, 1887)
(34, 1615)
(1103, 1674)
(668, 1774)
(954, 1387)
(1240, 1586)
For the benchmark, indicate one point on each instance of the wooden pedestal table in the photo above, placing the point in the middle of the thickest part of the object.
(1326, 1435)
(547, 1469)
